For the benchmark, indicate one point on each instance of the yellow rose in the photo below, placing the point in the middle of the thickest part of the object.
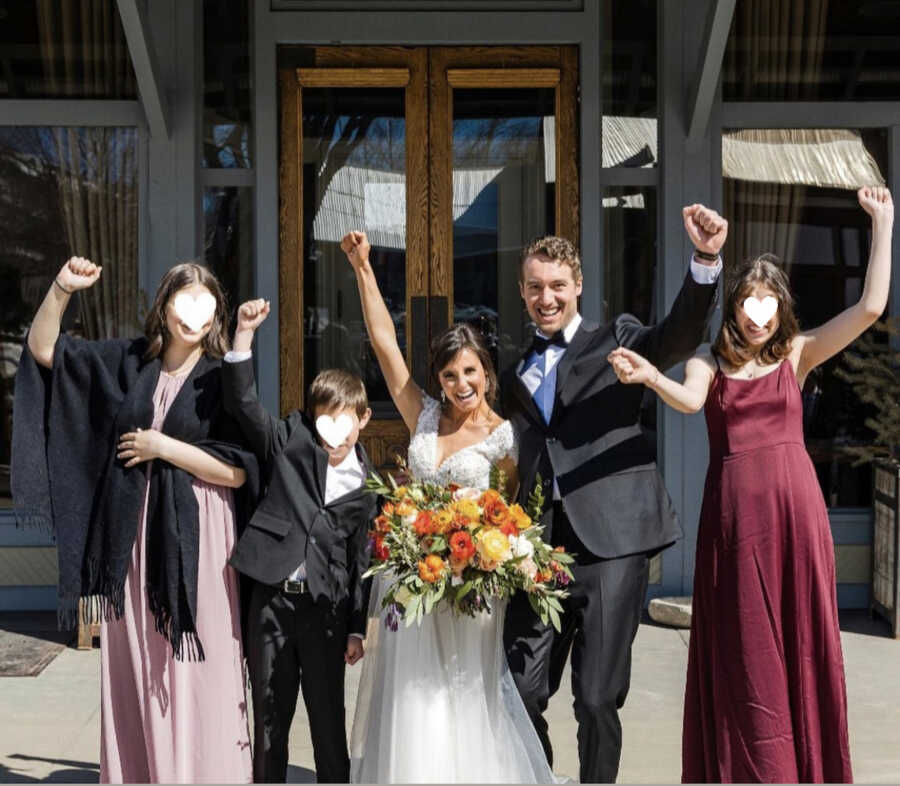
(493, 545)
(467, 508)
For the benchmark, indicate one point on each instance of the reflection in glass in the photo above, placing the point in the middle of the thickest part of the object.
(629, 133)
(228, 241)
(504, 186)
(815, 51)
(629, 251)
(226, 84)
(354, 177)
(75, 192)
(65, 49)
(822, 236)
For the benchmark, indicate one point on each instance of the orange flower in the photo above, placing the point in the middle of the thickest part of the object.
(520, 517)
(424, 524)
(509, 528)
(432, 568)
(388, 509)
(495, 511)
(382, 524)
(443, 520)
(489, 495)
(543, 576)
(462, 547)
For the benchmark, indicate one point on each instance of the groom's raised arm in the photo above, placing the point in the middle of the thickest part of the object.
(675, 337)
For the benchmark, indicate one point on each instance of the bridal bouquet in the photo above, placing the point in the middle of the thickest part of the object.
(460, 547)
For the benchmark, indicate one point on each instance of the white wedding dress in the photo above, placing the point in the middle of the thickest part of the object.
(437, 702)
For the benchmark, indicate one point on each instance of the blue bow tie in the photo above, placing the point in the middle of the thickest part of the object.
(540, 344)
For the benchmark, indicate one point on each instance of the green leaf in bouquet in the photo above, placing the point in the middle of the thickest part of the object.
(497, 479)
(553, 603)
(536, 500)
(464, 590)
(554, 619)
(438, 544)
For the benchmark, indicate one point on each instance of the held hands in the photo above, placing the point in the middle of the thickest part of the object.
(77, 273)
(356, 246)
(631, 368)
(705, 227)
(138, 446)
(355, 650)
(877, 202)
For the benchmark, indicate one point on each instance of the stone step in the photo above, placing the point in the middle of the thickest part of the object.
(671, 611)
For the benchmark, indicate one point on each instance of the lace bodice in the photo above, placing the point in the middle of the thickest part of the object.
(470, 466)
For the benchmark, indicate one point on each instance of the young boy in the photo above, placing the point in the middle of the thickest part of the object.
(305, 549)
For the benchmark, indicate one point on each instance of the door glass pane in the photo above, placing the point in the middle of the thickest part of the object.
(354, 177)
(504, 186)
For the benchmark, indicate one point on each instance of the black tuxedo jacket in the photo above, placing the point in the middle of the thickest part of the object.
(292, 523)
(593, 446)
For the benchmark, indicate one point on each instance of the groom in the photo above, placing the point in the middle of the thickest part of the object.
(579, 430)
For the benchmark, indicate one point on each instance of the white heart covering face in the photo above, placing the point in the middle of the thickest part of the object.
(334, 430)
(195, 312)
(760, 311)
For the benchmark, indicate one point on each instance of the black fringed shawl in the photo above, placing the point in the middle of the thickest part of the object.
(65, 476)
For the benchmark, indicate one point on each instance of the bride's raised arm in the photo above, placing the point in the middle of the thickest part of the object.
(407, 395)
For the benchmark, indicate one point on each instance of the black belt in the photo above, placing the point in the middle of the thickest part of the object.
(292, 587)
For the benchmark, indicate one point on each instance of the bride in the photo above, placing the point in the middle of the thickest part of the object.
(437, 702)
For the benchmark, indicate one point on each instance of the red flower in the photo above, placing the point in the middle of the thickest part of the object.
(509, 528)
(381, 551)
(461, 546)
(423, 524)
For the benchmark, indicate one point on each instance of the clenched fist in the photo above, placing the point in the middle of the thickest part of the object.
(252, 314)
(877, 202)
(78, 273)
(356, 246)
(705, 227)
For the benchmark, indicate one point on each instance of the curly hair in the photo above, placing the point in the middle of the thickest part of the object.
(553, 247)
(730, 344)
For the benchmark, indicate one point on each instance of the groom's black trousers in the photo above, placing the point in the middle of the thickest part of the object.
(293, 644)
(600, 621)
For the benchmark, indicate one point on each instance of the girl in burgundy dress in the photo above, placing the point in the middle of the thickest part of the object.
(765, 699)
(122, 446)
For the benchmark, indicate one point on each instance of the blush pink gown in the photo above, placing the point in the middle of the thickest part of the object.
(170, 721)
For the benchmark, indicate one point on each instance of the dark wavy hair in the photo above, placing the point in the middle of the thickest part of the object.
(448, 345)
(215, 343)
(730, 344)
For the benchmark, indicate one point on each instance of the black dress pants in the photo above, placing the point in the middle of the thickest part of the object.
(599, 623)
(295, 644)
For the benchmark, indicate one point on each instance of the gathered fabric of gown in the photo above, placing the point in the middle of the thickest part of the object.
(437, 702)
(165, 720)
(765, 699)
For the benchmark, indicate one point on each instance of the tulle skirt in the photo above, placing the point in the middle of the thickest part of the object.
(437, 704)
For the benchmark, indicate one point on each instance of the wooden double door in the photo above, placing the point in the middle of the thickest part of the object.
(451, 159)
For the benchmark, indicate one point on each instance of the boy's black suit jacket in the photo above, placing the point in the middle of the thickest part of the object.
(593, 446)
(293, 524)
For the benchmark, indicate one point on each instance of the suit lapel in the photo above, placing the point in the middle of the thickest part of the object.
(564, 367)
(321, 459)
(522, 394)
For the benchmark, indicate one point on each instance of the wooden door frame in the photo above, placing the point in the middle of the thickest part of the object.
(345, 67)
(496, 67)
(423, 73)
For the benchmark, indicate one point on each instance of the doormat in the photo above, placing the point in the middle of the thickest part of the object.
(28, 654)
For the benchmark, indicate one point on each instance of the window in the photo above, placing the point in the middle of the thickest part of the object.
(65, 191)
(792, 193)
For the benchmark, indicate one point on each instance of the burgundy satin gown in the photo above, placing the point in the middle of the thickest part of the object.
(765, 699)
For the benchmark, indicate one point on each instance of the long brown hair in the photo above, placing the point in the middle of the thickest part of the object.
(448, 345)
(215, 342)
(730, 344)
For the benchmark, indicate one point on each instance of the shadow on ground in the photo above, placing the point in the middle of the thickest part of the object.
(300, 775)
(864, 623)
(68, 772)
